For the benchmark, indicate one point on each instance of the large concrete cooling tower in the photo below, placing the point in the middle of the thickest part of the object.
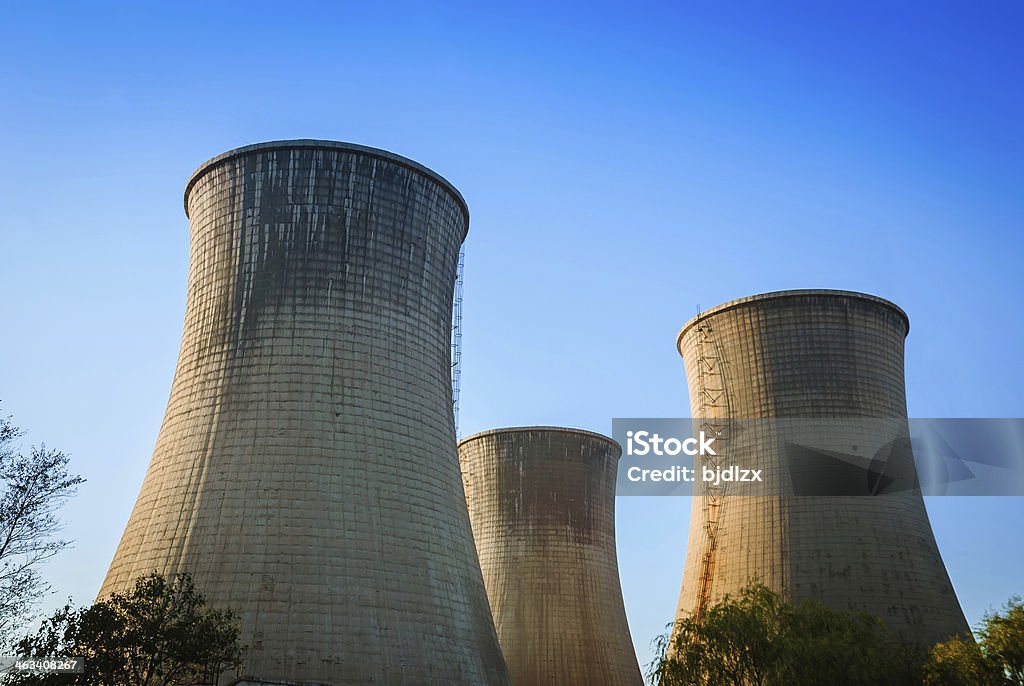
(306, 472)
(542, 504)
(834, 360)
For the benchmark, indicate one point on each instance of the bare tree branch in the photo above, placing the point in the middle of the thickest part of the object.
(33, 488)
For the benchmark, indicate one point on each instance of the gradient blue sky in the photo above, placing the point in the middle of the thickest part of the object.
(606, 150)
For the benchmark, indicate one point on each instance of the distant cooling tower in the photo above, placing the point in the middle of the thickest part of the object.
(542, 504)
(306, 471)
(836, 358)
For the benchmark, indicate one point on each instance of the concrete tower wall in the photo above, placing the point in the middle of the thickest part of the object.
(306, 471)
(818, 355)
(542, 504)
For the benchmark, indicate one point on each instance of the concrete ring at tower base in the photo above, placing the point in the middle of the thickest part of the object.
(314, 144)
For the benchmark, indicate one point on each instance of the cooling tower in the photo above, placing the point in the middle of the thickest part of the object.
(542, 504)
(832, 362)
(306, 472)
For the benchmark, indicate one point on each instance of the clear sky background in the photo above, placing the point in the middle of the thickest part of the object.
(611, 154)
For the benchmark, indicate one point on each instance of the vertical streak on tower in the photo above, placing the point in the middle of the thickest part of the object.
(815, 355)
(306, 472)
(542, 504)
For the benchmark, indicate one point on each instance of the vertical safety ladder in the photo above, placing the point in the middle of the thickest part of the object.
(713, 416)
(457, 340)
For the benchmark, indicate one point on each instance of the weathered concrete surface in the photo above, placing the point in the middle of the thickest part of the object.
(819, 355)
(542, 504)
(306, 471)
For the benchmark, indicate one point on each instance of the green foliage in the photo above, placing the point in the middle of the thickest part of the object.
(960, 662)
(33, 486)
(734, 644)
(997, 659)
(1002, 640)
(820, 645)
(758, 639)
(158, 634)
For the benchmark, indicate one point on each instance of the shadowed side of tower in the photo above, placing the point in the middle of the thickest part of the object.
(306, 471)
(542, 505)
(836, 358)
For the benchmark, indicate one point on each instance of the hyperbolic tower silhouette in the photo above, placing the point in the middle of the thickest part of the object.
(832, 362)
(306, 471)
(542, 504)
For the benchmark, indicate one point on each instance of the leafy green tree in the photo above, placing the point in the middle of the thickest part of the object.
(158, 634)
(33, 487)
(759, 639)
(819, 645)
(1002, 640)
(733, 644)
(997, 659)
(960, 662)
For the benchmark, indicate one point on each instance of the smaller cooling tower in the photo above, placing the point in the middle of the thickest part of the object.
(542, 506)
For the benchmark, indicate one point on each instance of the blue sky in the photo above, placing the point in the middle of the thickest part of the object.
(624, 164)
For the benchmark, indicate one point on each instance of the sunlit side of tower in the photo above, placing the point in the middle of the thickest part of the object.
(834, 357)
(542, 504)
(306, 471)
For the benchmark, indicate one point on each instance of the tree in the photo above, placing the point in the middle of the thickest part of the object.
(33, 487)
(733, 644)
(759, 639)
(997, 659)
(160, 633)
(820, 645)
(1002, 640)
(960, 662)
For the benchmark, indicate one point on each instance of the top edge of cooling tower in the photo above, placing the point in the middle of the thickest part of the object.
(797, 293)
(546, 429)
(313, 144)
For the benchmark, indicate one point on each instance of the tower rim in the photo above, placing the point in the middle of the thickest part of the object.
(322, 144)
(792, 293)
(547, 429)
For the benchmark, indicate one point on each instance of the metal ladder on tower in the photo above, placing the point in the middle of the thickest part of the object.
(457, 340)
(713, 415)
